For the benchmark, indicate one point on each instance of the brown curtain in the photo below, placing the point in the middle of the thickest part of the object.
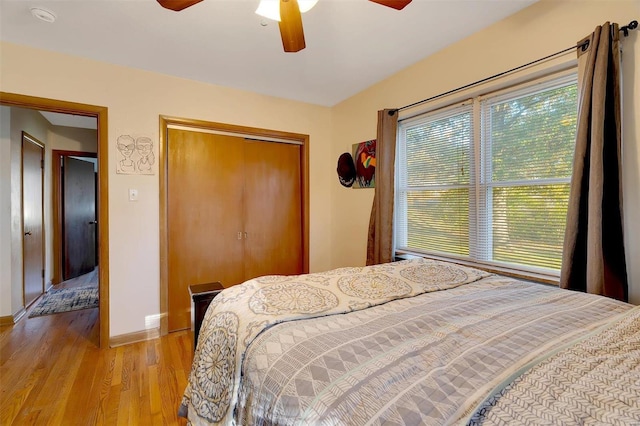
(380, 241)
(593, 255)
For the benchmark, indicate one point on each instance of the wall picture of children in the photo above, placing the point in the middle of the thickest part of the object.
(135, 155)
(144, 147)
(126, 146)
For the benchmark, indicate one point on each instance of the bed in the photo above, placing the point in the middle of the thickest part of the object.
(413, 342)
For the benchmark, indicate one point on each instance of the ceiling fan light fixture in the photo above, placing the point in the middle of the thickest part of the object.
(270, 9)
(306, 5)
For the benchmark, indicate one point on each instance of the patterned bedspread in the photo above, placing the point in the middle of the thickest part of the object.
(377, 345)
(594, 381)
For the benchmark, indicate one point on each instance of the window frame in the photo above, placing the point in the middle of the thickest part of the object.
(480, 160)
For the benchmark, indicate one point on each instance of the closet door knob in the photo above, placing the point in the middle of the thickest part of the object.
(27, 233)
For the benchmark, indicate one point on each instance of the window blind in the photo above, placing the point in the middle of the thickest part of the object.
(435, 182)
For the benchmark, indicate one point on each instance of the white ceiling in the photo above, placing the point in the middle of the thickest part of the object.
(70, 120)
(351, 44)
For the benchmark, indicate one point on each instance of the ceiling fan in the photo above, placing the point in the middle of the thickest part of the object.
(290, 18)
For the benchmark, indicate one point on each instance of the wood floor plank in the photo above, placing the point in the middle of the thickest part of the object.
(143, 381)
(117, 367)
(123, 408)
(52, 372)
(62, 364)
(54, 401)
(112, 404)
(82, 403)
(155, 401)
(12, 402)
(168, 381)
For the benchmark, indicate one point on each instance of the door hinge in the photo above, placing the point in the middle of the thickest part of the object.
(43, 273)
(42, 164)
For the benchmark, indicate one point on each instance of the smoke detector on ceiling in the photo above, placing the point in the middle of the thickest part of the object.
(43, 14)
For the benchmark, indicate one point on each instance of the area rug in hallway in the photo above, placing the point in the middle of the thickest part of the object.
(65, 300)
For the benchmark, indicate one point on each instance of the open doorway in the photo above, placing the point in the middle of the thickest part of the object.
(75, 216)
(100, 185)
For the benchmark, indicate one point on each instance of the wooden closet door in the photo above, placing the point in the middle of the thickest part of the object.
(272, 209)
(204, 216)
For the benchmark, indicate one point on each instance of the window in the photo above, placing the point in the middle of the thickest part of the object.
(487, 180)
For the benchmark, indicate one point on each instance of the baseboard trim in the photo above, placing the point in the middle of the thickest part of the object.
(18, 315)
(12, 319)
(135, 337)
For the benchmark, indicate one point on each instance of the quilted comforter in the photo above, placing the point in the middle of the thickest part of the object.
(386, 345)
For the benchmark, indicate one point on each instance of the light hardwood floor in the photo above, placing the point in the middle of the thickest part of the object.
(53, 373)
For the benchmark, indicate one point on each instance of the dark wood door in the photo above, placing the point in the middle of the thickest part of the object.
(272, 209)
(33, 222)
(78, 217)
(204, 216)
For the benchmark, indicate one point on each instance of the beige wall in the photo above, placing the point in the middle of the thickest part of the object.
(73, 139)
(135, 100)
(535, 32)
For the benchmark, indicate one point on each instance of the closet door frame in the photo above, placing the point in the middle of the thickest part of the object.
(234, 130)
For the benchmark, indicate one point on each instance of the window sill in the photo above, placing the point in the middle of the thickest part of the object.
(495, 269)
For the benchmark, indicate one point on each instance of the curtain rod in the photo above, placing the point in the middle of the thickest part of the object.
(625, 30)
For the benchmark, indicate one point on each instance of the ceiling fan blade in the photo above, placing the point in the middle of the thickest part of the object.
(291, 26)
(177, 5)
(396, 4)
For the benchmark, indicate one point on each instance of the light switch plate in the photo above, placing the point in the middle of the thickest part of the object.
(133, 194)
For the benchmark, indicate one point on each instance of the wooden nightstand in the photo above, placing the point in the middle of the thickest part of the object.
(201, 297)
